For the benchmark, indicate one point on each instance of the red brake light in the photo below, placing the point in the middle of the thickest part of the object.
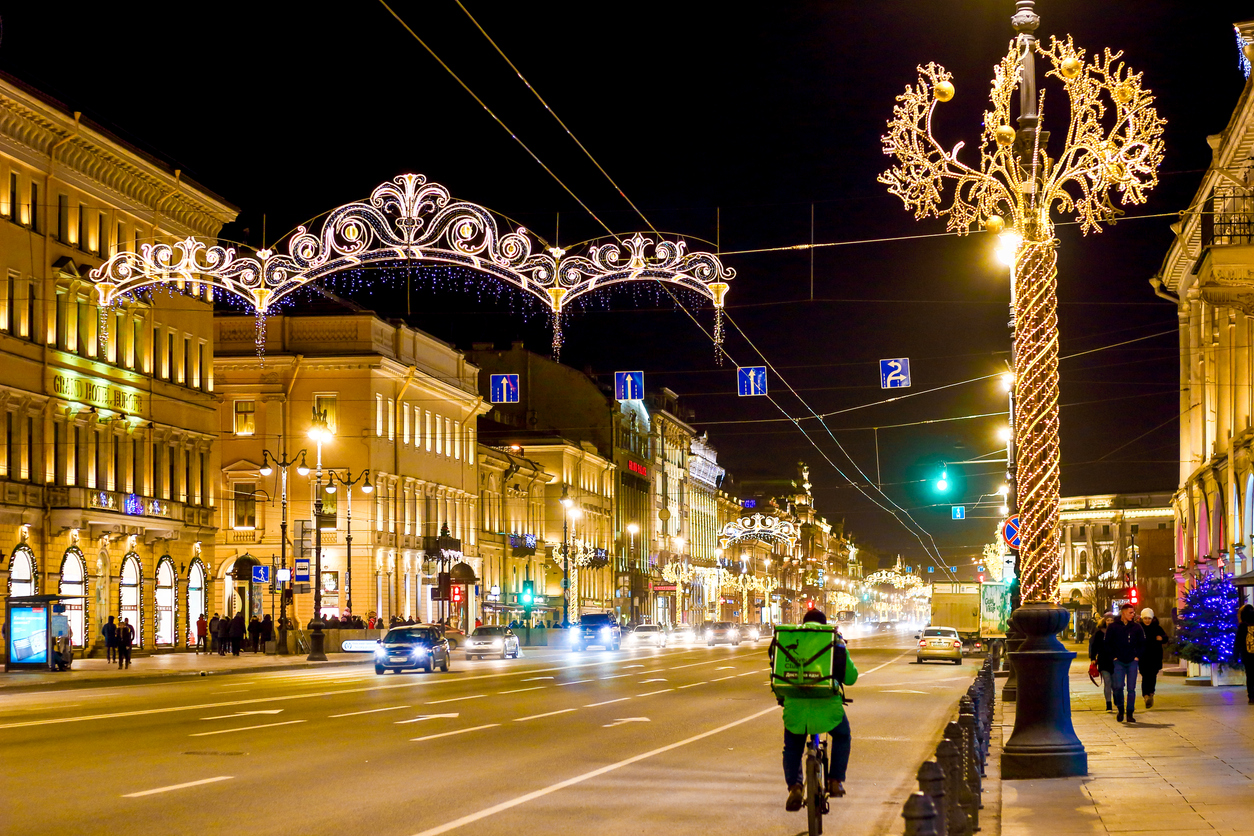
(957, 643)
(922, 643)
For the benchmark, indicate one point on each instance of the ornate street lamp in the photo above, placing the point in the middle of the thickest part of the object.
(348, 480)
(319, 432)
(567, 502)
(1113, 143)
(283, 463)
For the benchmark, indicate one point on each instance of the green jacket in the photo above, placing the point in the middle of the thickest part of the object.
(821, 715)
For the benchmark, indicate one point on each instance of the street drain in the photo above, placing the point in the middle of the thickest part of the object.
(221, 754)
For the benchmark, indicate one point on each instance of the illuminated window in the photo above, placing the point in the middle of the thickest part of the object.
(428, 421)
(329, 404)
(378, 415)
(391, 420)
(245, 417)
(63, 219)
(405, 424)
(245, 505)
(439, 435)
(82, 227)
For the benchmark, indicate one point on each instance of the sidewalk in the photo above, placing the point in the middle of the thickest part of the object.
(88, 673)
(1185, 767)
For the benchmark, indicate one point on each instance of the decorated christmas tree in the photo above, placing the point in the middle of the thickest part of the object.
(1208, 621)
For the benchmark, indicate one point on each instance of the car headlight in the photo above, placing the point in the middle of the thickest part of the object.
(709, 634)
(498, 643)
(420, 650)
(380, 651)
(605, 632)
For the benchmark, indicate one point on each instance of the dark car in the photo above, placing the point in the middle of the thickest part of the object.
(416, 647)
(596, 629)
(492, 641)
(722, 632)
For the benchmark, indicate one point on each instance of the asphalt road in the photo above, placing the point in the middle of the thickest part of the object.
(675, 741)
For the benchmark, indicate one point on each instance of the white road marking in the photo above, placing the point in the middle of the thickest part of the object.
(243, 714)
(749, 673)
(622, 720)
(725, 668)
(651, 693)
(901, 691)
(721, 678)
(578, 779)
(457, 699)
(449, 733)
(371, 711)
(607, 702)
(247, 728)
(647, 681)
(886, 664)
(625, 667)
(546, 714)
(616, 676)
(454, 715)
(232, 691)
(536, 678)
(576, 682)
(520, 690)
(179, 786)
(692, 685)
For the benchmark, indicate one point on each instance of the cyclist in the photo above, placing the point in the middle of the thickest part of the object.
(803, 717)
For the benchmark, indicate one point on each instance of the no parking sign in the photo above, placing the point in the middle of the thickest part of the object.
(1010, 532)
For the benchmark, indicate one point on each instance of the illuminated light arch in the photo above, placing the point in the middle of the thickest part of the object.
(767, 528)
(412, 221)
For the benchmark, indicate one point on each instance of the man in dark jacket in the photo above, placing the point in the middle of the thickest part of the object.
(110, 632)
(1100, 653)
(1126, 641)
(1152, 658)
(238, 627)
(213, 632)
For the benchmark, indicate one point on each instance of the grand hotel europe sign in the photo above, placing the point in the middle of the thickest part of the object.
(103, 394)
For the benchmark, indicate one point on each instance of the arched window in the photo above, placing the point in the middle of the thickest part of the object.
(23, 578)
(130, 587)
(163, 628)
(197, 599)
(74, 582)
(1203, 532)
(1084, 564)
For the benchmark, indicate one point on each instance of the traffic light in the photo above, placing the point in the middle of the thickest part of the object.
(1132, 596)
(810, 604)
(442, 587)
(942, 482)
(528, 594)
(456, 593)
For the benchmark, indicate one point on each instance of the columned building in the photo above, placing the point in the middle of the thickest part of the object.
(512, 532)
(672, 438)
(399, 404)
(1208, 275)
(107, 487)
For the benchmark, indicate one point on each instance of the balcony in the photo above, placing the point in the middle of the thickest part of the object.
(1225, 270)
(75, 507)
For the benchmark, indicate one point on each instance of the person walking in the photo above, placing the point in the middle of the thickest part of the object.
(238, 628)
(1099, 653)
(1243, 647)
(1152, 657)
(224, 635)
(267, 631)
(110, 632)
(254, 632)
(126, 637)
(202, 634)
(213, 632)
(1126, 639)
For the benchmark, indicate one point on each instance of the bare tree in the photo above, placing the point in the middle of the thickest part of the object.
(1103, 583)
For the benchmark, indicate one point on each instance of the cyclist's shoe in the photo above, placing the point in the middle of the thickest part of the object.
(796, 795)
(835, 789)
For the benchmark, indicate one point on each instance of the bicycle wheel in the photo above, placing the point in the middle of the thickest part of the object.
(814, 799)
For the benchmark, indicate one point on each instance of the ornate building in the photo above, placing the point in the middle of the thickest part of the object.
(107, 487)
(512, 529)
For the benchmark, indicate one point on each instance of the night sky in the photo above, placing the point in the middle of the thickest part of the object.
(720, 121)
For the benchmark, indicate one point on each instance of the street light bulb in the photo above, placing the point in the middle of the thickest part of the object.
(1008, 244)
(266, 470)
(567, 502)
(302, 469)
(1004, 490)
(632, 528)
(331, 487)
(1003, 434)
(367, 488)
(1007, 381)
(679, 543)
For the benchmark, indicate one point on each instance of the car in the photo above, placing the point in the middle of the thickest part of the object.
(597, 629)
(645, 635)
(754, 632)
(493, 641)
(722, 632)
(941, 643)
(412, 647)
(456, 637)
(682, 634)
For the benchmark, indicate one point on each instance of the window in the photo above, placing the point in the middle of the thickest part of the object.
(82, 226)
(245, 505)
(448, 437)
(30, 312)
(63, 219)
(102, 236)
(329, 405)
(84, 346)
(12, 468)
(201, 379)
(119, 238)
(391, 420)
(405, 424)
(14, 214)
(34, 207)
(187, 476)
(171, 485)
(80, 456)
(59, 460)
(137, 481)
(245, 417)
(1136, 529)
(62, 323)
(203, 498)
(137, 342)
(169, 357)
(428, 420)
(457, 443)
(10, 304)
(187, 362)
(1105, 531)
(378, 415)
(330, 510)
(470, 446)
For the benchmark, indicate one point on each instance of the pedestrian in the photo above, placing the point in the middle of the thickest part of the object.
(254, 632)
(224, 635)
(126, 637)
(1126, 640)
(202, 634)
(110, 633)
(213, 632)
(1099, 653)
(1243, 647)
(1152, 657)
(267, 631)
(238, 628)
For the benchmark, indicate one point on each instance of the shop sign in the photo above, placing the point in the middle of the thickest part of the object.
(99, 393)
(637, 468)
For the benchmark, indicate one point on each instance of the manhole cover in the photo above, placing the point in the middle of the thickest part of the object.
(221, 754)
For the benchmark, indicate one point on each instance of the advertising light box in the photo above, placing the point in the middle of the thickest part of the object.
(28, 635)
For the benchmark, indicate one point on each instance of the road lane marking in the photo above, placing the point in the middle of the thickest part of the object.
(457, 699)
(449, 733)
(651, 693)
(520, 690)
(721, 678)
(371, 711)
(579, 779)
(454, 715)
(625, 667)
(179, 786)
(647, 681)
(607, 702)
(749, 673)
(545, 714)
(536, 678)
(243, 714)
(576, 682)
(247, 728)
(617, 676)
(622, 720)
(725, 668)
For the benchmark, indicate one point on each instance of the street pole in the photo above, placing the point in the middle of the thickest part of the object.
(348, 481)
(317, 639)
(566, 502)
(283, 464)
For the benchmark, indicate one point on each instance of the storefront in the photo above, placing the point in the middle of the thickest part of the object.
(130, 595)
(73, 587)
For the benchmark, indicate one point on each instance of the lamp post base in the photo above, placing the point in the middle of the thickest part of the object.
(1044, 743)
(317, 643)
(281, 647)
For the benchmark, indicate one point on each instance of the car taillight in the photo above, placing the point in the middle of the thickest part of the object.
(922, 643)
(957, 643)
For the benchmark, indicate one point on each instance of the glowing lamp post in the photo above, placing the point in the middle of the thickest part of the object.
(348, 481)
(567, 503)
(319, 432)
(283, 463)
(1112, 147)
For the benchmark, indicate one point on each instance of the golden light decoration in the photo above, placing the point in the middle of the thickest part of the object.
(1112, 146)
(410, 221)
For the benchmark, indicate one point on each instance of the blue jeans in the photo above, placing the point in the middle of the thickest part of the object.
(1125, 673)
(838, 758)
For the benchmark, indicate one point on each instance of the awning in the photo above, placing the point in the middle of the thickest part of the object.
(1244, 580)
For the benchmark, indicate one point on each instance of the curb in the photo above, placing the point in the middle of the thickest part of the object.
(165, 676)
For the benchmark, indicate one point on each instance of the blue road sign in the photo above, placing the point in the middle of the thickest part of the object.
(301, 572)
(1010, 532)
(958, 512)
(261, 574)
(751, 380)
(931, 569)
(953, 568)
(629, 386)
(895, 373)
(503, 388)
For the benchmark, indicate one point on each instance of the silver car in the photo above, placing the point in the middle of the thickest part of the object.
(941, 643)
(493, 641)
(646, 635)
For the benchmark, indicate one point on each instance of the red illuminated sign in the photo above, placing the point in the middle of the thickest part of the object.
(636, 467)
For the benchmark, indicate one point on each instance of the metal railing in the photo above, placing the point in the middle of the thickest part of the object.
(949, 801)
(1228, 217)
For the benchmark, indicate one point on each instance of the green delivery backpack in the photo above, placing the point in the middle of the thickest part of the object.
(807, 661)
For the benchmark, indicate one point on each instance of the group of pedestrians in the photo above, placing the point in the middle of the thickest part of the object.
(1123, 648)
(119, 639)
(232, 633)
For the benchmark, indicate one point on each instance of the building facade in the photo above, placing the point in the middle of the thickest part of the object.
(512, 501)
(107, 492)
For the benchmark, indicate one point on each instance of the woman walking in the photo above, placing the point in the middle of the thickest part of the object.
(1243, 648)
(1152, 655)
(1104, 657)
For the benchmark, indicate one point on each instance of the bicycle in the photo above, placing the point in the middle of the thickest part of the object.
(816, 783)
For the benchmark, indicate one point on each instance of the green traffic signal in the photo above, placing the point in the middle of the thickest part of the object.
(528, 593)
(942, 483)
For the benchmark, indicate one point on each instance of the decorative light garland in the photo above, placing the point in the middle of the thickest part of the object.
(411, 221)
(1016, 179)
(764, 527)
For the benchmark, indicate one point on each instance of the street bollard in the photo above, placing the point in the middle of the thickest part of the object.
(955, 734)
(950, 760)
(966, 721)
(932, 784)
(966, 709)
(920, 816)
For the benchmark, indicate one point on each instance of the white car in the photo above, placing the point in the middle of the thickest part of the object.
(646, 635)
